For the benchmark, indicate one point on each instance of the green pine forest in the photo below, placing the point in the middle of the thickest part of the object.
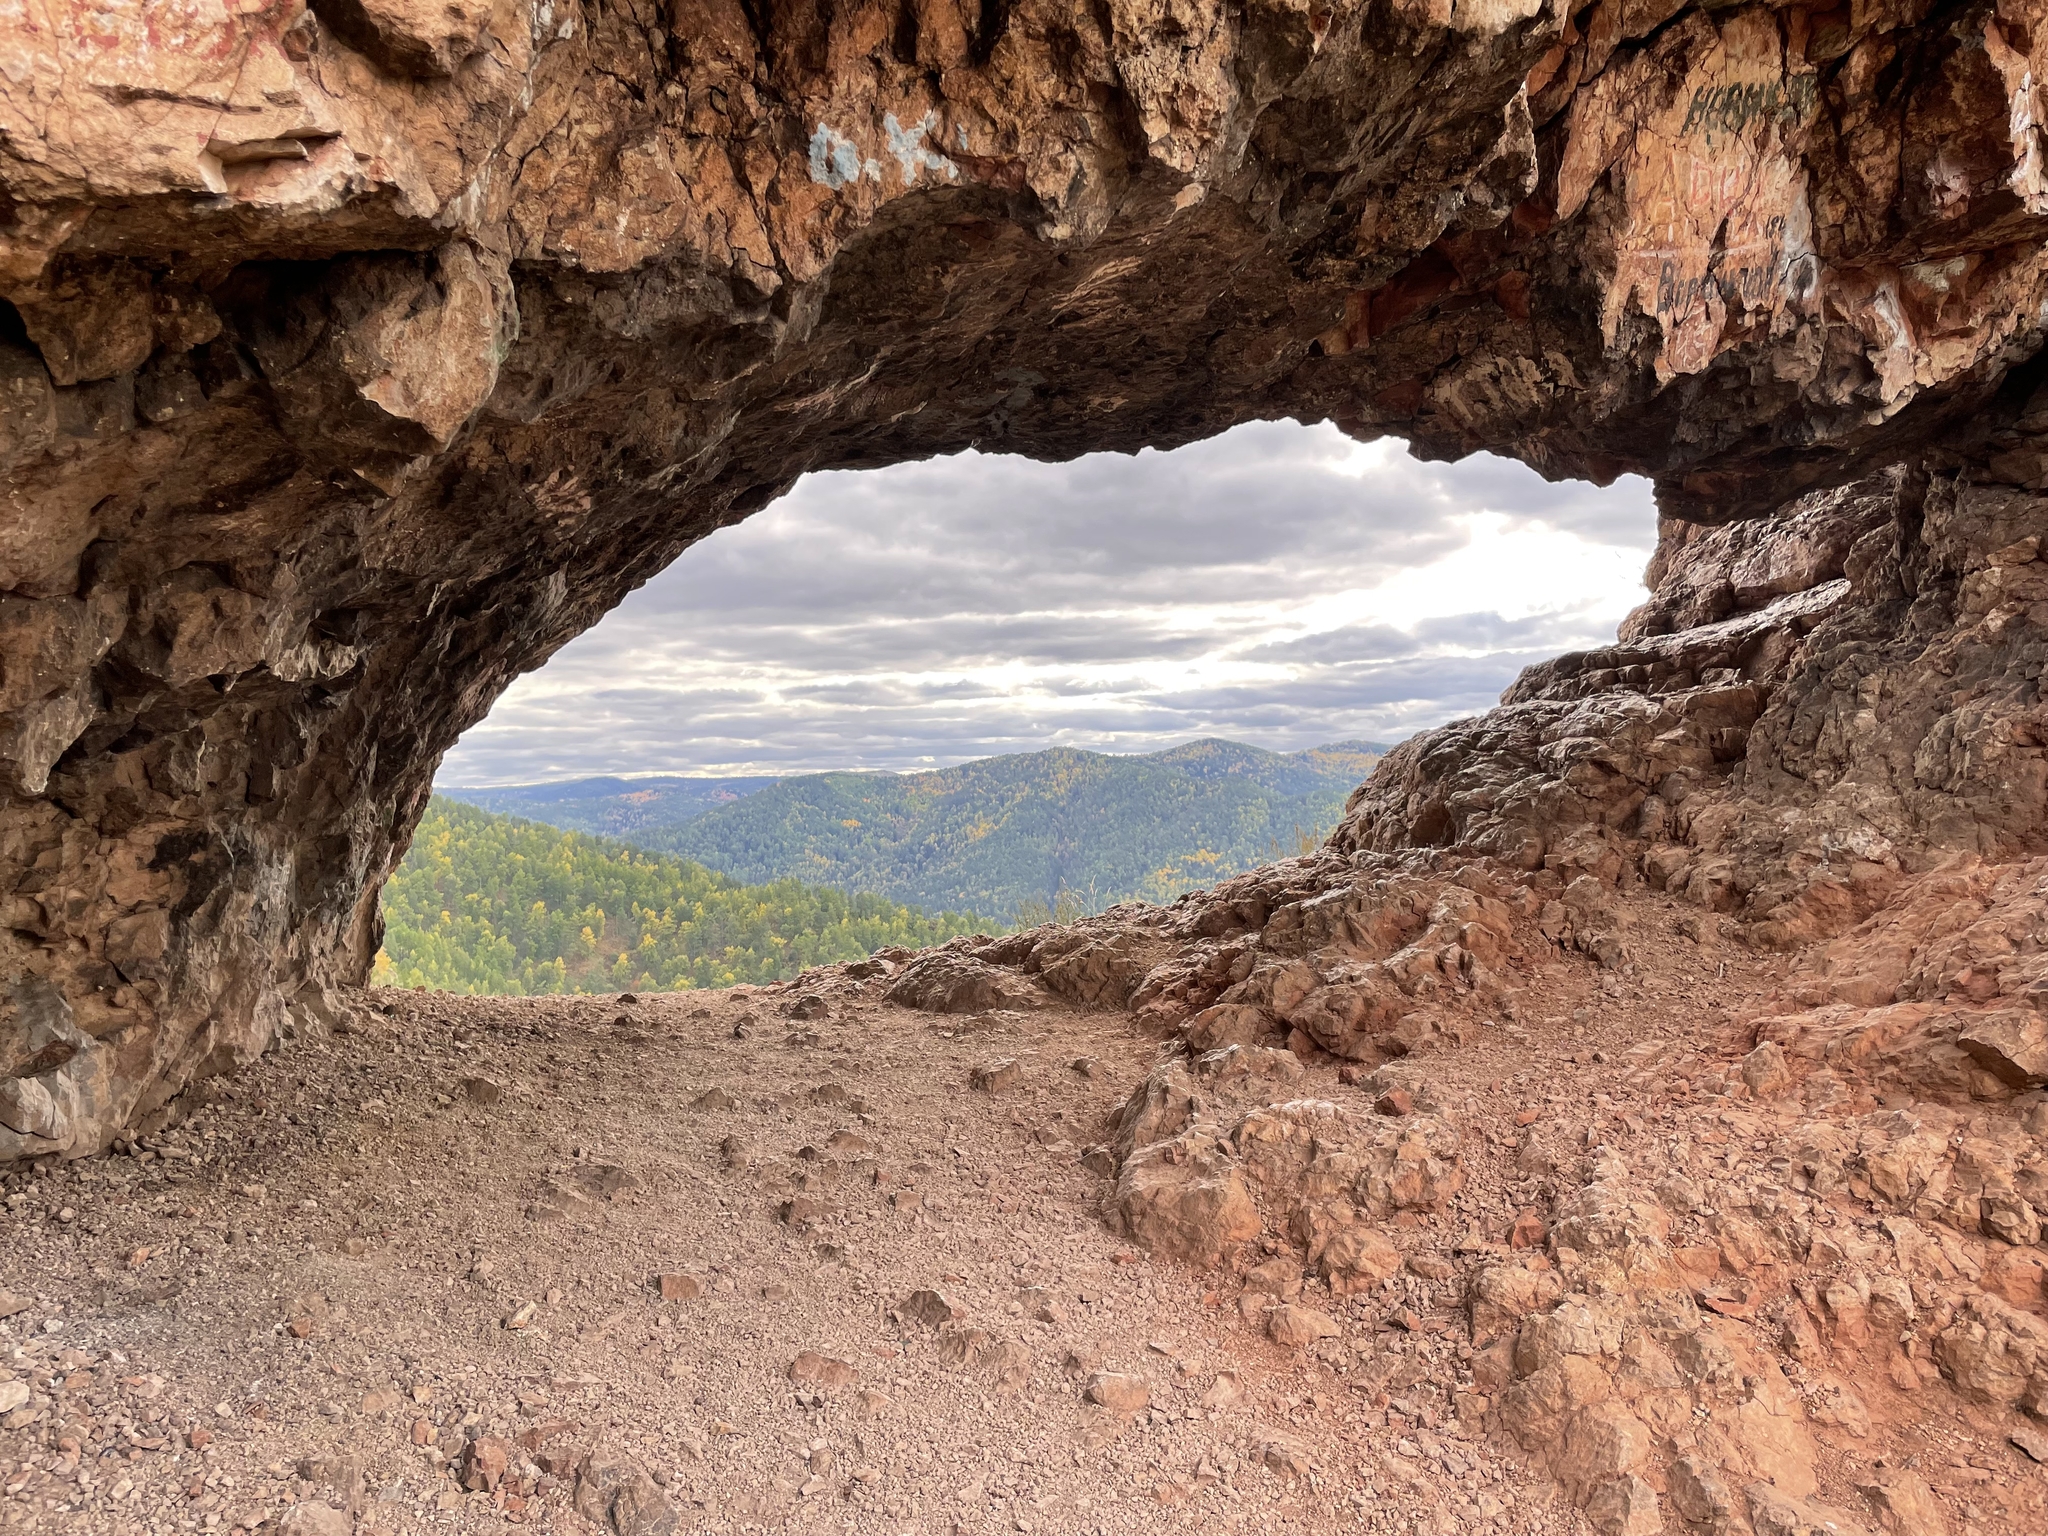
(490, 904)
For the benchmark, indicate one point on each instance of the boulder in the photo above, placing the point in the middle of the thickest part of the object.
(314, 1519)
(1994, 1353)
(1120, 1394)
(2010, 1044)
(1766, 1071)
(1502, 1295)
(615, 1493)
(1298, 1327)
(1624, 1506)
(1186, 1199)
(1904, 1505)
(1357, 1258)
(1308, 1154)
(1227, 1024)
(1104, 971)
(944, 981)
(1773, 1512)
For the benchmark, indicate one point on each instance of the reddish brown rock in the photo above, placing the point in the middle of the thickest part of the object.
(1295, 1327)
(931, 1308)
(1119, 1393)
(996, 1076)
(1186, 1199)
(483, 1464)
(361, 354)
(1357, 1258)
(815, 1370)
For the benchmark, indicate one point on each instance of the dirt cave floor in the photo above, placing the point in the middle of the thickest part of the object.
(812, 1274)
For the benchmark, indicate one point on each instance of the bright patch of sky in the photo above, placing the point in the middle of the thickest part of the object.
(1279, 585)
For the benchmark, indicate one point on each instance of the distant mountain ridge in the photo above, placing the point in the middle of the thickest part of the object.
(613, 807)
(1000, 835)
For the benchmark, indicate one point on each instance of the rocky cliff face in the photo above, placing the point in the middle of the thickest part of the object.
(358, 354)
(1807, 711)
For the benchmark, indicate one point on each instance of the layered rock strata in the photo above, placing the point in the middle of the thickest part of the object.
(358, 354)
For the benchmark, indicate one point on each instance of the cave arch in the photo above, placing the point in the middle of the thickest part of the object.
(368, 351)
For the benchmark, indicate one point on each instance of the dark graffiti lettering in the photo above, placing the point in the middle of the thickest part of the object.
(1729, 109)
(1753, 284)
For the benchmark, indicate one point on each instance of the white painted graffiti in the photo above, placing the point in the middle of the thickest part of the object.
(836, 160)
(907, 145)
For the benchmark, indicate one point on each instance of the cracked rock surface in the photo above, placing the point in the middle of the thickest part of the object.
(357, 354)
(1636, 1115)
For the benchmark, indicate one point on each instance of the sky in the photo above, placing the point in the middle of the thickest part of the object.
(1279, 585)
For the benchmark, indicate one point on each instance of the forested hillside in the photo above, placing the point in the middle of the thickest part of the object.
(610, 807)
(1013, 835)
(485, 903)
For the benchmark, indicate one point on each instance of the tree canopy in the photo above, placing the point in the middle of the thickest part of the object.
(492, 904)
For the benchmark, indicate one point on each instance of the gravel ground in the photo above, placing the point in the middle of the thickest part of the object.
(337, 1285)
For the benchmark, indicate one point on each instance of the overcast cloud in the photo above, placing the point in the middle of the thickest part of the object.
(1279, 585)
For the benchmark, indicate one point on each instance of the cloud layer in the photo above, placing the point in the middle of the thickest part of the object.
(1279, 585)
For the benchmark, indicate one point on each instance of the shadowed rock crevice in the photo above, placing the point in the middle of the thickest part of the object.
(369, 352)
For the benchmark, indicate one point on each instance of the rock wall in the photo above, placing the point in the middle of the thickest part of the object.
(1807, 711)
(356, 355)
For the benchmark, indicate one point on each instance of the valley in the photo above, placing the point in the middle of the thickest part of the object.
(1004, 836)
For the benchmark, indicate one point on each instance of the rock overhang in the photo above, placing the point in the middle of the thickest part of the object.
(367, 351)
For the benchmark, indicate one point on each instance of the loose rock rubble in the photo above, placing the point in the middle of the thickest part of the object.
(1586, 1253)
(337, 1294)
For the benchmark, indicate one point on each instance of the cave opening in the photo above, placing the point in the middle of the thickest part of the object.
(359, 357)
(995, 690)
(1279, 584)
